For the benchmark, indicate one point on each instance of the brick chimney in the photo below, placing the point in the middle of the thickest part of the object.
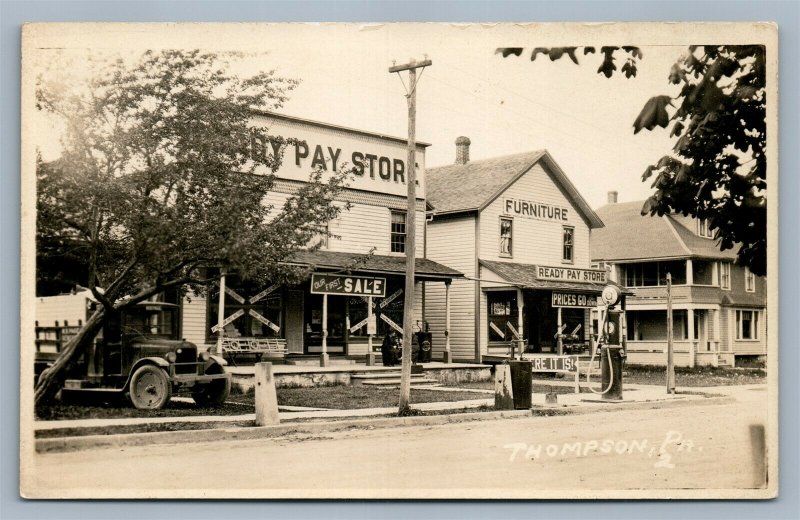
(462, 150)
(612, 197)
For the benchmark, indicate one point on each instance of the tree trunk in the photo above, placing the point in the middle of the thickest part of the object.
(50, 380)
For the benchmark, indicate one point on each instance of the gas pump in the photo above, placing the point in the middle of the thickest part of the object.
(610, 346)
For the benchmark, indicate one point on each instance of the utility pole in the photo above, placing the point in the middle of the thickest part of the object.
(670, 346)
(411, 225)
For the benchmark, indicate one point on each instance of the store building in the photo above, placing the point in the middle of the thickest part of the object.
(519, 231)
(719, 308)
(356, 284)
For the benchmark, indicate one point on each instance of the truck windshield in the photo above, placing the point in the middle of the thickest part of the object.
(147, 322)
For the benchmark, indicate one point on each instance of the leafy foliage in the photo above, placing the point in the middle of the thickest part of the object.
(717, 168)
(627, 54)
(158, 185)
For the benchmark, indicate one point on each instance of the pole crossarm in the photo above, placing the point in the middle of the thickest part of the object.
(410, 66)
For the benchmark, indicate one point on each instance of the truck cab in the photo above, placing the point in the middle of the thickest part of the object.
(140, 353)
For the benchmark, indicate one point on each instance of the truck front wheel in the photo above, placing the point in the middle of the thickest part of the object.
(215, 392)
(150, 388)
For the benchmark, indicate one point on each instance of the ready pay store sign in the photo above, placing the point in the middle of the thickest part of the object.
(377, 164)
(569, 274)
(322, 283)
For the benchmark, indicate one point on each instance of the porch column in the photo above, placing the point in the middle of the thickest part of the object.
(690, 335)
(323, 358)
(717, 331)
(370, 352)
(559, 340)
(220, 314)
(689, 272)
(520, 325)
(448, 357)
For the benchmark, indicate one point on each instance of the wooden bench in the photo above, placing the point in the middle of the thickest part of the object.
(274, 348)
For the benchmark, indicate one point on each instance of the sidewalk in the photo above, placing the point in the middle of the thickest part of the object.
(582, 402)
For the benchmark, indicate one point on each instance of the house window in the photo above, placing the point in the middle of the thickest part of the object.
(746, 324)
(398, 238)
(653, 274)
(725, 275)
(506, 231)
(569, 243)
(320, 238)
(502, 307)
(703, 272)
(703, 229)
(749, 280)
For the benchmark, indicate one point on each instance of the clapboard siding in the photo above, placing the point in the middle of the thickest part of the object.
(725, 338)
(193, 320)
(751, 347)
(534, 241)
(452, 243)
(361, 227)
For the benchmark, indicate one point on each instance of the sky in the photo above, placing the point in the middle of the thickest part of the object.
(504, 105)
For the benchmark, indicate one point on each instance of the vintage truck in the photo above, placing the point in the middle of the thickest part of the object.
(139, 353)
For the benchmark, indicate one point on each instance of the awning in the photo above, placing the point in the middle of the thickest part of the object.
(524, 276)
(380, 264)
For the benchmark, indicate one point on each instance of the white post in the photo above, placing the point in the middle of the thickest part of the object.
(520, 324)
(691, 336)
(689, 273)
(448, 356)
(370, 352)
(323, 358)
(503, 391)
(266, 396)
(670, 346)
(220, 314)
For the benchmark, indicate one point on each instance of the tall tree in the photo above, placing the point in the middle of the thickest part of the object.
(717, 169)
(163, 179)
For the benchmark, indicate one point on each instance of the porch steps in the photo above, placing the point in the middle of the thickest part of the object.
(389, 379)
(313, 360)
(723, 361)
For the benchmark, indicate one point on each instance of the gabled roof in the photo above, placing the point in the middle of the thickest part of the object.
(628, 235)
(330, 126)
(385, 264)
(463, 188)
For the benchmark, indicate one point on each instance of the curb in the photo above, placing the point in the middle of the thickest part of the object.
(64, 444)
(646, 405)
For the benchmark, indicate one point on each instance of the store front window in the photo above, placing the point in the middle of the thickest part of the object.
(502, 310)
(261, 309)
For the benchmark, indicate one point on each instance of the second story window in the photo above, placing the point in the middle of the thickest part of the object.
(568, 254)
(398, 236)
(749, 280)
(506, 238)
(725, 275)
(703, 229)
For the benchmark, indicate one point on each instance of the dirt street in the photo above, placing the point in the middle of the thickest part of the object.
(703, 446)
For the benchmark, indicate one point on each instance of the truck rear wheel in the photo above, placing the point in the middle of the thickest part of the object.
(213, 393)
(150, 388)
